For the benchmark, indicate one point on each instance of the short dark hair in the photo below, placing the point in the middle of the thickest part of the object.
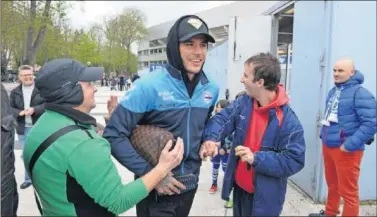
(266, 67)
(223, 103)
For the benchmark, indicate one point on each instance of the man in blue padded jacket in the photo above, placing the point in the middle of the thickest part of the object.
(178, 97)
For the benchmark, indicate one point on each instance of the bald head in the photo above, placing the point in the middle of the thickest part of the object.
(345, 63)
(343, 70)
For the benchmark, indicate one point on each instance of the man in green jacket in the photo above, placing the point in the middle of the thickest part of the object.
(73, 173)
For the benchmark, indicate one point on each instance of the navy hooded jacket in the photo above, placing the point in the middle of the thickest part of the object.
(282, 152)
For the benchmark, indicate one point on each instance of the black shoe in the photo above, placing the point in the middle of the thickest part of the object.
(25, 185)
(321, 213)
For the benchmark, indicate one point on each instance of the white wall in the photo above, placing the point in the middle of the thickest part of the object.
(216, 66)
(253, 35)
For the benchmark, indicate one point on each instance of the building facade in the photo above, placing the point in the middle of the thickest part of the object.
(153, 49)
(308, 36)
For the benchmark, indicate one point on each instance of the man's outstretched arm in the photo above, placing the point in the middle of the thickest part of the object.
(123, 120)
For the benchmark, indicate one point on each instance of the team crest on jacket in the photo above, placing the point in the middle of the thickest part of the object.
(207, 97)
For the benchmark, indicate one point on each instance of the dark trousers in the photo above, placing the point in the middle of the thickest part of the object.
(242, 202)
(176, 205)
(9, 200)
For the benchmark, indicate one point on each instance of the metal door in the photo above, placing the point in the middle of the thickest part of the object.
(247, 37)
(305, 85)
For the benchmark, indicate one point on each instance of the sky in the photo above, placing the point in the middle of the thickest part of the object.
(83, 14)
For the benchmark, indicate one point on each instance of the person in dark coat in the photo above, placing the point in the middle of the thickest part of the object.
(27, 106)
(9, 195)
(121, 82)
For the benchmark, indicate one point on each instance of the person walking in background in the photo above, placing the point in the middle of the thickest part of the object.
(121, 82)
(128, 83)
(27, 106)
(349, 123)
(113, 83)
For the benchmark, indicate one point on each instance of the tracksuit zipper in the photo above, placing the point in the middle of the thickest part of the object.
(187, 143)
(188, 137)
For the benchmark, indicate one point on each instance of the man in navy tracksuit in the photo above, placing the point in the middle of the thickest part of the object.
(178, 97)
(268, 145)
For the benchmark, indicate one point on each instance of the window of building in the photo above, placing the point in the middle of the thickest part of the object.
(284, 32)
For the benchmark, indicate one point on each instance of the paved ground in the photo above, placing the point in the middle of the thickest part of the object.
(205, 204)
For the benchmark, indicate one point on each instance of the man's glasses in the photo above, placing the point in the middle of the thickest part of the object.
(27, 75)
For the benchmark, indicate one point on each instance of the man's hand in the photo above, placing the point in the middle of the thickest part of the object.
(112, 103)
(222, 151)
(208, 148)
(22, 113)
(30, 111)
(169, 185)
(168, 161)
(245, 154)
(342, 148)
(99, 129)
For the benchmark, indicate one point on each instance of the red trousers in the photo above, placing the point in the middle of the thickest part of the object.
(342, 171)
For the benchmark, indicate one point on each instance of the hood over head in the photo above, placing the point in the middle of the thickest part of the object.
(183, 29)
(280, 100)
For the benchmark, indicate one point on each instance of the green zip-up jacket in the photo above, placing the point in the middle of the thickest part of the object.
(76, 176)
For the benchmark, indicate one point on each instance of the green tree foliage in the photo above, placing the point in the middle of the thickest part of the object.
(39, 31)
(131, 28)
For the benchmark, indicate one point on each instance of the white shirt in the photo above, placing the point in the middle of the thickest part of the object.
(27, 92)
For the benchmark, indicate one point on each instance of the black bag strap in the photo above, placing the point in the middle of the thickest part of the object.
(43, 147)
